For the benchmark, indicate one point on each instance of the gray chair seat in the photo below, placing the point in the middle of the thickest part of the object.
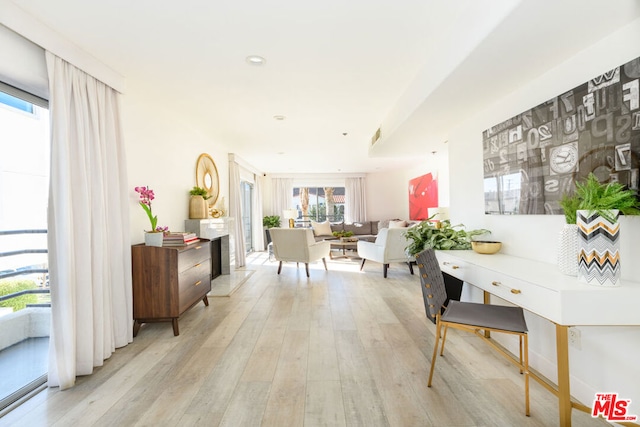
(485, 316)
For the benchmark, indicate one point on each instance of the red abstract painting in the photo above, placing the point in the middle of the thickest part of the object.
(423, 194)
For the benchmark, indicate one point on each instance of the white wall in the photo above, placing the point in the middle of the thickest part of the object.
(388, 192)
(162, 153)
(607, 360)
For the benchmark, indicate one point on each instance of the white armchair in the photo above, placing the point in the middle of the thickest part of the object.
(298, 245)
(389, 247)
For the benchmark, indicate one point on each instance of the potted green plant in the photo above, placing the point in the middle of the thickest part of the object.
(270, 221)
(595, 208)
(198, 206)
(443, 236)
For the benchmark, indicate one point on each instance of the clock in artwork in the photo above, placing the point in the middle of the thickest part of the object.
(564, 158)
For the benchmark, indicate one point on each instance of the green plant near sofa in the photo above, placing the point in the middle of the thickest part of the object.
(446, 236)
(271, 221)
(342, 233)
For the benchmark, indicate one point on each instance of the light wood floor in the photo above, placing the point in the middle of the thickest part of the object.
(343, 348)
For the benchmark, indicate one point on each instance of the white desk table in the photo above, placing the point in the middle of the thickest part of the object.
(541, 289)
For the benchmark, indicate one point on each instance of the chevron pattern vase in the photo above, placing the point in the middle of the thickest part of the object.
(598, 253)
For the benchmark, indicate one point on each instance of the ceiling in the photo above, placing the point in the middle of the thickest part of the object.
(336, 69)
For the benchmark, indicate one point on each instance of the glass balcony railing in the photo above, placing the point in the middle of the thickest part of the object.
(25, 314)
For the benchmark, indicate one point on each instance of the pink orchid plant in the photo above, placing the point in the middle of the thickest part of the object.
(146, 196)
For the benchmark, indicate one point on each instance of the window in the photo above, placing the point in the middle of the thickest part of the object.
(24, 184)
(319, 204)
(246, 195)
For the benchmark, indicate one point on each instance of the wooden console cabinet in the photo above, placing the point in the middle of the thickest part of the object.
(167, 281)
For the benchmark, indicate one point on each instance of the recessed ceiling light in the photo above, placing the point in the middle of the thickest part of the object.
(256, 60)
(279, 117)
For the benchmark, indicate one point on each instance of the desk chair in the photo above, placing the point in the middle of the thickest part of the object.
(470, 317)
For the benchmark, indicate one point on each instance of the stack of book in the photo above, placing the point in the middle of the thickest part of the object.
(179, 239)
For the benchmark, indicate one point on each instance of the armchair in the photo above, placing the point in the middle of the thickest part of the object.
(298, 245)
(389, 246)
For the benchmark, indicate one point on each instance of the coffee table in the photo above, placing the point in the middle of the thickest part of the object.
(344, 245)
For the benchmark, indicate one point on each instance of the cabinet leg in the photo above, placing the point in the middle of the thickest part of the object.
(205, 300)
(174, 322)
(136, 327)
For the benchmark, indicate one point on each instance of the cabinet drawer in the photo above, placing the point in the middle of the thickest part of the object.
(456, 268)
(189, 277)
(193, 291)
(193, 255)
(537, 299)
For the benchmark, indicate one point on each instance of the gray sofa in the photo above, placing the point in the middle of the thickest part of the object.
(367, 230)
(362, 230)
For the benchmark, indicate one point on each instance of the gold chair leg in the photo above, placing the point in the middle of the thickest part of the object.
(444, 338)
(526, 374)
(520, 347)
(435, 350)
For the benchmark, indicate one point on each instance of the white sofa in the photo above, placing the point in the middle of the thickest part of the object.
(298, 245)
(389, 246)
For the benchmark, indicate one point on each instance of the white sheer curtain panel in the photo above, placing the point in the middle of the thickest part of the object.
(235, 211)
(282, 196)
(355, 206)
(88, 220)
(258, 231)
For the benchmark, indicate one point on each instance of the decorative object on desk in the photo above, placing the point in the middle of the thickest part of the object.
(270, 221)
(426, 235)
(597, 218)
(153, 237)
(207, 176)
(486, 246)
(568, 242)
(198, 205)
(291, 215)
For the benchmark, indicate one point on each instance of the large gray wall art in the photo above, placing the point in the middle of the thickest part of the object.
(532, 159)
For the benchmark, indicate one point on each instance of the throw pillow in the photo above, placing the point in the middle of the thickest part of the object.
(397, 224)
(321, 228)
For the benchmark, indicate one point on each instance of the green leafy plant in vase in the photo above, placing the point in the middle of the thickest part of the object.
(271, 221)
(594, 207)
(198, 206)
(440, 236)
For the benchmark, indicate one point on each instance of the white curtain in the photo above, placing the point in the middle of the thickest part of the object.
(235, 211)
(282, 196)
(88, 220)
(355, 206)
(258, 232)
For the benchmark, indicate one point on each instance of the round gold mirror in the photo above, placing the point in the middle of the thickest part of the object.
(207, 177)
